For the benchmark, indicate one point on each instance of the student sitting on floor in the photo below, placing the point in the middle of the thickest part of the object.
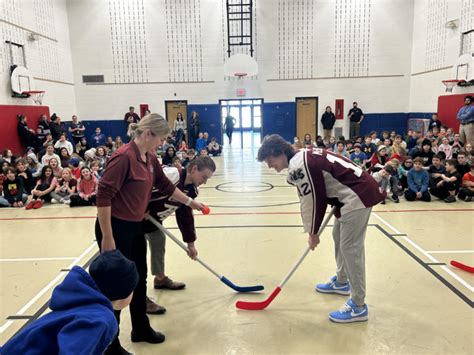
(447, 188)
(86, 189)
(418, 182)
(65, 188)
(463, 165)
(467, 191)
(13, 188)
(436, 169)
(82, 319)
(42, 191)
(386, 183)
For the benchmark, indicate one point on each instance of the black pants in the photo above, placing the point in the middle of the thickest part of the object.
(442, 191)
(229, 132)
(464, 192)
(411, 196)
(77, 200)
(130, 240)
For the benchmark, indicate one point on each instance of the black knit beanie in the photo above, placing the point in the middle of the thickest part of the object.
(114, 274)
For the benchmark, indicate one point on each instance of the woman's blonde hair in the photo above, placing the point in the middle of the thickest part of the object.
(156, 123)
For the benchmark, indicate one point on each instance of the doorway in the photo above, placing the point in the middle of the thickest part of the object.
(306, 117)
(248, 121)
(173, 108)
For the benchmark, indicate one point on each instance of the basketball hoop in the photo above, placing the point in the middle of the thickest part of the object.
(240, 75)
(36, 95)
(450, 84)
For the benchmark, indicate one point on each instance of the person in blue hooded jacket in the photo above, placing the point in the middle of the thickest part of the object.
(81, 320)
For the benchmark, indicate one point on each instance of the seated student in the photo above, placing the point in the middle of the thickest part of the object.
(213, 147)
(411, 140)
(98, 138)
(436, 169)
(200, 142)
(349, 147)
(65, 188)
(44, 186)
(64, 143)
(25, 175)
(463, 165)
(34, 166)
(378, 159)
(446, 148)
(467, 190)
(358, 157)
(82, 146)
(56, 167)
(190, 156)
(95, 170)
(49, 155)
(65, 157)
(86, 189)
(176, 163)
(13, 190)
(75, 168)
(183, 147)
(456, 145)
(341, 149)
(3, 200)
(403, 170)
(170, 153)
(388, 146)
(400, 142)
(426, 154)
(447, 188)
(368, 147)
(418, 182)
(82, 319)
(383, 178)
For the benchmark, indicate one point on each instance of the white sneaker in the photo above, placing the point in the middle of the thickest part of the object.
(54, 201)
(67, 202)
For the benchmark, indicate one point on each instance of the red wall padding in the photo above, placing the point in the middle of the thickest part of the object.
(8, 122)
(448, 108)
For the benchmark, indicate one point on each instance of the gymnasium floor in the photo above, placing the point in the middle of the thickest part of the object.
(417, 302)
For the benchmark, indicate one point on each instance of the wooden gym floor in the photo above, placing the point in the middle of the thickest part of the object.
(417, 302)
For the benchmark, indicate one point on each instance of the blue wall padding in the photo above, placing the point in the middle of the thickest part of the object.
(210, 119)
(279, 118)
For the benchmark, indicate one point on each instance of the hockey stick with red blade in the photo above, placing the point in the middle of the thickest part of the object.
(257, 306)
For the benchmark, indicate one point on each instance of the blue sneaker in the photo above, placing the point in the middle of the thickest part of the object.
(349, 313)
(334, 287)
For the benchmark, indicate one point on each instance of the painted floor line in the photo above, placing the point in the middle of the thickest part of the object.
(430, 257)
(36, 259)
(450, 251)
(46, 288)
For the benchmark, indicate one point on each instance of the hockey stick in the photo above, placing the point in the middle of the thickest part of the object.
(220, 277)
(462, 266)
(257, 306)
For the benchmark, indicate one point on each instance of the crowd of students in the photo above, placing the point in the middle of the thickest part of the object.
(417, 166)
(59, 169)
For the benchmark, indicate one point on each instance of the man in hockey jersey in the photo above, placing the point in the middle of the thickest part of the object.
(197, 172)
(321, 178)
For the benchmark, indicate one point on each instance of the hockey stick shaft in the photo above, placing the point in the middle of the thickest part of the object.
(181, 245)
(321, 229)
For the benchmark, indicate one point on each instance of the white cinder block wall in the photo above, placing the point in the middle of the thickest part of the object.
(388, 55)
(436, 49)
(358, 50)
(48, 58)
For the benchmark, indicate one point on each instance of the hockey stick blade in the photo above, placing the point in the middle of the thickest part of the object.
(241, 288)
(258, 306)
(462, 266)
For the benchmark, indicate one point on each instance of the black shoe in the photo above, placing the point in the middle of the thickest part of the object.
(383, 202)
(116, 349)
(395, 198)
(149, 336)
(450, 199)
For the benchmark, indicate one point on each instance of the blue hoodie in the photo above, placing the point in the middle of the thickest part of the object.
(82, 321)
(418, 181)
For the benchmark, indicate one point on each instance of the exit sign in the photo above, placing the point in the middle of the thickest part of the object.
(241, 92)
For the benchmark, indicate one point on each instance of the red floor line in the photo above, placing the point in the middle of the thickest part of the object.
(237, 214)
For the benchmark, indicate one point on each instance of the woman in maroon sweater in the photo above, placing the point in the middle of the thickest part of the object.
(122, 200)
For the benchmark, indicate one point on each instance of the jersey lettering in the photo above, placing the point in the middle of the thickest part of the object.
(335, 159)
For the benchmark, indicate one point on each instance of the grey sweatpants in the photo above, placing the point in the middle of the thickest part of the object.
(157, 242)
(349, 242)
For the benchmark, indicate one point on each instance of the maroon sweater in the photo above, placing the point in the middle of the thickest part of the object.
(127, 182)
